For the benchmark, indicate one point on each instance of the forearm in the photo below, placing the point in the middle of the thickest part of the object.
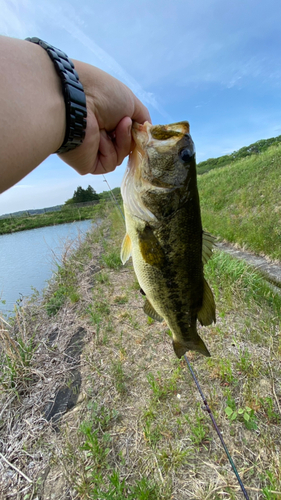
(33, 114)
(32, 109)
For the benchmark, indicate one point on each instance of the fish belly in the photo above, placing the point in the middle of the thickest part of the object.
(167, 260)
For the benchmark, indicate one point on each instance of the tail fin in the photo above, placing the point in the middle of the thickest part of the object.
(198, 345)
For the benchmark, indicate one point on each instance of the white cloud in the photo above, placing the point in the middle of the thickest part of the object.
(15, 20)
(73, 25)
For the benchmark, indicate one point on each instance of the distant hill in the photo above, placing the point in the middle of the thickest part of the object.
(33, 211)
(256, 148)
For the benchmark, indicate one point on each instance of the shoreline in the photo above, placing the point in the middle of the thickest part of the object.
(64, 216)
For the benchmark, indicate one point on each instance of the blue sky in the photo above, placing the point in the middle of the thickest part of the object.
(215, 63)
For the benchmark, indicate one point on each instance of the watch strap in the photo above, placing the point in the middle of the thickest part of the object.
(74, 96)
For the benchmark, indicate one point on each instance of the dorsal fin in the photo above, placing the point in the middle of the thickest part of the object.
(208, 242)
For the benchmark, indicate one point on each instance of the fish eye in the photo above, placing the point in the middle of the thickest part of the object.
(186, 155)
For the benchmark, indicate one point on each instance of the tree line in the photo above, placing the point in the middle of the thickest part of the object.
(81, 195)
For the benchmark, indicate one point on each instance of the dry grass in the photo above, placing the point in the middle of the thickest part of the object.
(137, 429)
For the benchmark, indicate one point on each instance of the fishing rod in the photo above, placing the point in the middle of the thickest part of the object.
(207, 408)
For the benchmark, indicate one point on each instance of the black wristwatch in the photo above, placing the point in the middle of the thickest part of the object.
(75, 100)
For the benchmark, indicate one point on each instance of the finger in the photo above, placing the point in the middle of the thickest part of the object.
(141, 113)
(107, 156)
(123, 139)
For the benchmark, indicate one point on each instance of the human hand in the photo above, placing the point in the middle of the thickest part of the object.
(111, 108)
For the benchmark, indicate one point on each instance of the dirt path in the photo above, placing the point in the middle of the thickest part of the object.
(272, 272)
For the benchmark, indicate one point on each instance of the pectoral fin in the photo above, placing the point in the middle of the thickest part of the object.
(207, 313)
(150, 311)
(126, 249)
(207, 246)
(150, 248)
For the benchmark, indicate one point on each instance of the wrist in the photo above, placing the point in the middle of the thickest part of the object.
(74, 97)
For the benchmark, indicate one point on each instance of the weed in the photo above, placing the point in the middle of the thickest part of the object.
(135, 284)
(95, 316)
(119, 376)
(102, 277)
(150, 321)
(117, 489)
(155, 385)
(74, 297)
(102, 307)
(222, 368)
(99, 479)
(112, 259)
(241, 284)
(95, 447)
(98, 312)
(230, 400)
(16, 357)
(246, 415)
(121, 299)
(173, 458)
(56, 301)
(273, 485)
(163, 386)
(66, 287)
(267, 405)
(198, 427)
(244, 362)
(151, 432)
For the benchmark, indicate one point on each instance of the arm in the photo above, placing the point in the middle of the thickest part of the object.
(32, 107)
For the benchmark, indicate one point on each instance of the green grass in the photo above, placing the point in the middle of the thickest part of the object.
(16, 355)
(139, 431)
(65, 215)
(64, 287)
(241, 202)
(254, 149)
(237, 280)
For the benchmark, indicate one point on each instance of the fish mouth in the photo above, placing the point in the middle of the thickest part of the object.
(146, 135)
(141, 134)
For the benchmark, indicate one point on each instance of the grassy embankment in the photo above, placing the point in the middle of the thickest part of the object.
(138, 431)
(241, 202)
(66, 214)
(253, 149)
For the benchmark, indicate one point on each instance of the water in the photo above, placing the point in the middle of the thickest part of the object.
(27, 259)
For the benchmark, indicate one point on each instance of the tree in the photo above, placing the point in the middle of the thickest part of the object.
(83, 195)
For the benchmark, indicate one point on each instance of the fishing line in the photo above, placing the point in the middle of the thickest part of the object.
(208, 409)
(114, 199)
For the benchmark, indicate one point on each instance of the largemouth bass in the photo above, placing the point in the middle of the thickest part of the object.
(164, 232)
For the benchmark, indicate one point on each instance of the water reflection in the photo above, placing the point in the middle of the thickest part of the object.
(27, 258)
